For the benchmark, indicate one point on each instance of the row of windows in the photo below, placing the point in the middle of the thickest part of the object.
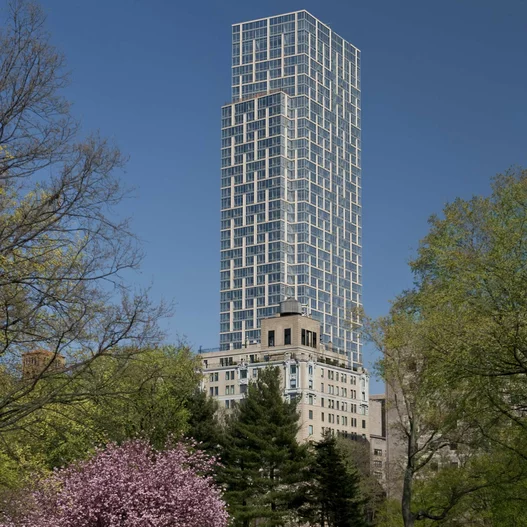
(343, 392)
(342, 419)
(334, 375)
(340, 405)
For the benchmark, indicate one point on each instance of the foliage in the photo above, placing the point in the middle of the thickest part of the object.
(264, 465)
(63, 247)
(335, 497)
(471, 272)
(129, 485)
(126, 396)
(356, 456)
(203, 423)
(146, 393)
(454, 353)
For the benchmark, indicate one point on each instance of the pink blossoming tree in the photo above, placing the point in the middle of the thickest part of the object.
(130, 485)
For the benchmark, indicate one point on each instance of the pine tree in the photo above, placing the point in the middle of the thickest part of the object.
(203, 424)
(336, 494)
(263, 463)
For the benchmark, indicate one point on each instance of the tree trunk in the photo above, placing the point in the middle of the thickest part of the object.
(406, 502)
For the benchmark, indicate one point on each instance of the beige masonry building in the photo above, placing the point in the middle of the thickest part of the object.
(332, 396)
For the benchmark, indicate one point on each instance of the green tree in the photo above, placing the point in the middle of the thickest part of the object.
(63, 247)
(264, 466)
(356, 455)
(203, 423)
(126, 396)
(336, 500)
(144, 394)
(454, 355)
(471, 274)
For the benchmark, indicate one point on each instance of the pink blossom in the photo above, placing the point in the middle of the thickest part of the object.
(133, 486)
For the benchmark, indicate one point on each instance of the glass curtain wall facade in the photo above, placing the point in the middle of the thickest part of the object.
(291, 181)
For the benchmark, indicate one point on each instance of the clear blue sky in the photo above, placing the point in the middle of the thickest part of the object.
(444, 92)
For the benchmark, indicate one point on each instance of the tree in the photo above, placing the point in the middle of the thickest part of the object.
(63, 248)
(356, 456)
(147, 399)
(203, 423)
(471, 273)
(436, 450)
(335, 499)
(130, 485)
(454, 353)
(263, 463)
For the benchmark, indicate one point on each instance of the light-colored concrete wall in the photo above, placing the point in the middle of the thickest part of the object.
(330, 394)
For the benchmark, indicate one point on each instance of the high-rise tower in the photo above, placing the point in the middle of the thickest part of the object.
(291, 185)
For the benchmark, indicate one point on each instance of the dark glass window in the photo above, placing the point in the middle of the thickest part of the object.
(287, 336)
(303, 337)
(314, 339)
(270, 338)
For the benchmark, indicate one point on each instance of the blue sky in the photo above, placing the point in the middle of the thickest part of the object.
(444, 88)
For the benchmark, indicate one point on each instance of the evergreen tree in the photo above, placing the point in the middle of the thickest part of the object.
(203, 424)
(336, 495)
(263, 463)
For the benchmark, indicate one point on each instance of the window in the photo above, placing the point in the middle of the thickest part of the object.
(310, 430)
(322, 387)
(227, 375)
(216, 391)
(255, 373)
(321, 373)
(377, 452)
(243, 374)
(377, 464)
(227, 404)
(310, 399)
(322, 401)
(363, 423)
(287, 336)
(243, 389)
(270, 338)
(216, 377)
(322, 416)
(211, 377)
(303, 337)
(293, 369)
(314, 339)
(310, 384)
(212, 392)
(310, 413)
(310, 370)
